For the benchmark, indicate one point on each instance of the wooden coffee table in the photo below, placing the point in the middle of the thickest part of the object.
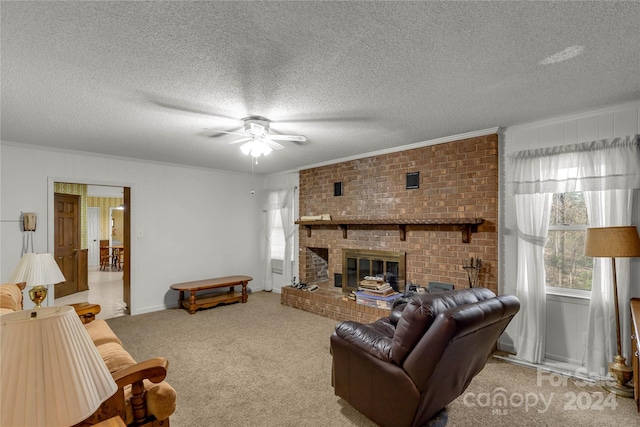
(190, 302)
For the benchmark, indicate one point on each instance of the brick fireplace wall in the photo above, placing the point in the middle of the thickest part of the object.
(457, 180)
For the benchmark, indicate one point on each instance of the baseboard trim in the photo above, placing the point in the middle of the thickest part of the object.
(575, 372)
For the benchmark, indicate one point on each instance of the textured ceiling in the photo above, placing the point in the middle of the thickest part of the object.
(145, 79)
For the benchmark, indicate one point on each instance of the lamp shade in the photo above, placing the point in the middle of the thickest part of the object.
(51, 373)
(612, 242)
(37, 269)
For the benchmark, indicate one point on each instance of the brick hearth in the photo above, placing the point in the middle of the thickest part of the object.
(329, 302)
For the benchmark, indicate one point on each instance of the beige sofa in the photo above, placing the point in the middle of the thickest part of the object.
(143, 397)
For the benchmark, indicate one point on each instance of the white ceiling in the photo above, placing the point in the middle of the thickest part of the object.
(145, 79)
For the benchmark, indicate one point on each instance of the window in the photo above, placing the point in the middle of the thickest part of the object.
(566, 266)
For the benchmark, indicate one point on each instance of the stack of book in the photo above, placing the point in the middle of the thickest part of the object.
(377, 301)
(376, 286)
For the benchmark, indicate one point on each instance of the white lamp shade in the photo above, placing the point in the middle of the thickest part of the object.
(37, 269)
(51, 373)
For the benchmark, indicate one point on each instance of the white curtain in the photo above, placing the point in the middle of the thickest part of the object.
(270, 213)
(279, 201)
(289, 228)
(532, 212)
(590, 167)
(607, 208)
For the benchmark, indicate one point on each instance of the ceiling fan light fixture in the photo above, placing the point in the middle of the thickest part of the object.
(257, 139)
(255, 148)
(265, 150)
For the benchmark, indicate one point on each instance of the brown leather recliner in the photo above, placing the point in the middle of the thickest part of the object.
(404, 369)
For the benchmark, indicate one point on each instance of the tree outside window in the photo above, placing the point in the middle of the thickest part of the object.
(566, 266)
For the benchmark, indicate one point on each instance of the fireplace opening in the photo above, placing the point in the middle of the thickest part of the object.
(317, 263)
(358, 263)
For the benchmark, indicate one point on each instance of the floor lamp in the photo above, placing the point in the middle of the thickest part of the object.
(615, 242)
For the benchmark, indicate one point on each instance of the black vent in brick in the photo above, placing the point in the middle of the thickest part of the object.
(337, 280)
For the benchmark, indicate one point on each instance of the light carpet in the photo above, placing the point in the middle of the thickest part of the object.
(264, 364)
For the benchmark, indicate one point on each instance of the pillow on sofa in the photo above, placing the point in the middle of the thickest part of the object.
(115, 357)
(100, 333)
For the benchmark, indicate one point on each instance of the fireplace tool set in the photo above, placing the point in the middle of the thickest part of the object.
(473, 271)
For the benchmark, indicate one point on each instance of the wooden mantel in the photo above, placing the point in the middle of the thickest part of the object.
(467, 225)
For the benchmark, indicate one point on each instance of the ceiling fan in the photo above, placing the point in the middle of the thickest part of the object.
(257, 139)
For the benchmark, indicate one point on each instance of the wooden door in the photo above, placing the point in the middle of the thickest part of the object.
(126, 277)
(67, 241)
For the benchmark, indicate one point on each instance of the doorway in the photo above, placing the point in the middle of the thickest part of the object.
(111, 289)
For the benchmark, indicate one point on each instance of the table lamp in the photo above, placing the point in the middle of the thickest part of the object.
(38, 270)
(51, 372)
(615, 242)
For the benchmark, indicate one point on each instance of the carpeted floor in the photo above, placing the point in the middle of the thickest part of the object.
(264, 364)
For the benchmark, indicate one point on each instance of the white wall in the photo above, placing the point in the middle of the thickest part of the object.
(566, 317)
(195, 223)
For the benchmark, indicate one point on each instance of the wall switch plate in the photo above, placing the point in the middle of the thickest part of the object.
(140, 233)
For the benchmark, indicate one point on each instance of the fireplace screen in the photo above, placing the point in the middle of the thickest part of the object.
(356, 264)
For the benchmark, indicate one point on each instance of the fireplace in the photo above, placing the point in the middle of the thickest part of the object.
(458, 186)
(331, 299)
(358, 263)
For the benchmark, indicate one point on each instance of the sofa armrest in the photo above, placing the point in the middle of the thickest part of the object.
(153, 370)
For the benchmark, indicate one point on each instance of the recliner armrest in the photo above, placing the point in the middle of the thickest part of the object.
(374, 338)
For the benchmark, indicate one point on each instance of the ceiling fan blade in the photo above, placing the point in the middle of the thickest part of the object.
(345, 118)
(274, 145)
(218, 133)
(237, 141)
(181, 105)
(298, 138)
